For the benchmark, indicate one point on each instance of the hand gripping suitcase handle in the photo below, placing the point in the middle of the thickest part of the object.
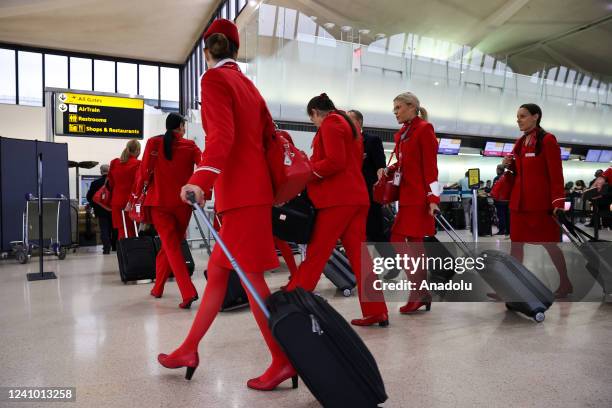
(237, 268)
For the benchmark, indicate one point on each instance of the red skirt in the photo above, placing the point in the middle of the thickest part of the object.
(247, 233)
(414, 221)
(118, 219)
(533, 226)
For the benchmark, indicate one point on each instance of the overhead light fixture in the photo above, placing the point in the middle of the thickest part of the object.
(436, 83)
(364, 31)
(463, 72)
(329, 26)
(346, 28)
(569, 104)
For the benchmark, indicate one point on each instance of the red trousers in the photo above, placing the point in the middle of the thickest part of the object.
(347, 223)
(171, 224)
(287, 254)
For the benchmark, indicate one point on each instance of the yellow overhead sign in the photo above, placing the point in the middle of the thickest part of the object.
(98, 100)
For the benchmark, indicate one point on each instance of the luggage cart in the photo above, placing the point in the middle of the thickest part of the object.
(51, 213)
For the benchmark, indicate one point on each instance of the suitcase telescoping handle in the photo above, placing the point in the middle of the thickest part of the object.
(575, 234)
(452, 233)
(237, 268)
(125, 226)
(206, 243)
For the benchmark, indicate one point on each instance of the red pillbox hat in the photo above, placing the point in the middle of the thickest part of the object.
(224, 27)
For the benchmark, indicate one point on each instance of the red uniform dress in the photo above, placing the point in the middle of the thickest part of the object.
(169, 213)
(417, 154)
(235, 119)
(340, 196)
(538, 188)
(418, 164)
(121, 180)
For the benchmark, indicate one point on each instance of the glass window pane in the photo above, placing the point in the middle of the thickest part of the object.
(30, 78)
(241, 4)
(126, 78)
(148, 82)
(170, 84)
(104, 76)
(232, 15)
(56, 71)
(80, 73)
(7, 76)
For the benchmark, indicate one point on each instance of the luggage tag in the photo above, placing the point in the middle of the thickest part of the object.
(397, 178)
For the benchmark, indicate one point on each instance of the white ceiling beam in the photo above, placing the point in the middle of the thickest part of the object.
(494, 21)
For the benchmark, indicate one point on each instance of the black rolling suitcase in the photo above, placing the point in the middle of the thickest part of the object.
(327, 353)
(136, 257)
(338, 270)
(235, 296)
(597, 253)
(511, 280)
(186, 254)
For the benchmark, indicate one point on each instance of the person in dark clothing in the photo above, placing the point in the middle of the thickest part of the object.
(503, 212)
(104, 217)
(374, 162)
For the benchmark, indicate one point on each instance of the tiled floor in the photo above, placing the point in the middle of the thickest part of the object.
(88, 330)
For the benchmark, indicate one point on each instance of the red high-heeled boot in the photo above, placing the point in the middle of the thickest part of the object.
(381, 319)
(190, 361)
(274, 380)
(412, 306)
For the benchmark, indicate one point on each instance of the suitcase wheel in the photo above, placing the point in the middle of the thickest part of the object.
(539, 317)
(346, 292)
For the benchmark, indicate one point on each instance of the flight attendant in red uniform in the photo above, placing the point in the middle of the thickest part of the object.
(416, 171)
(121, 180)
(538, 191)
(235, 119)
(338, 192)
(170, 159)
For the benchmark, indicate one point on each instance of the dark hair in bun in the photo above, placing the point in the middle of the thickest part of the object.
(324, 104)
(220, 47)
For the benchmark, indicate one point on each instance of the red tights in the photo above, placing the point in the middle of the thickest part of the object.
(415, 249)
(213, 296)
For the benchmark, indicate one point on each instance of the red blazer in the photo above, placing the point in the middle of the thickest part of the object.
(235, 118)
(418, 155)
(168, 175)
(608, 175)
(538, 183)
(336, 160)
(121, 179)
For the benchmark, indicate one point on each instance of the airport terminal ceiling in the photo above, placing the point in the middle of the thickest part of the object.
(151, 30)
(533, 33)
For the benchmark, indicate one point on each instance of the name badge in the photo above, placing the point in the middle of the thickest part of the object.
(529, 154)
(397, 177)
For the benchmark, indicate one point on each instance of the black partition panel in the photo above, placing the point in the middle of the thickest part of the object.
(55, 182)
(17, 178)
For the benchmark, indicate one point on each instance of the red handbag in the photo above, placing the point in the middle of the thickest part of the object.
(138, 211)
(502, 189)
(290, 168)
(103, 197)
(384, 191)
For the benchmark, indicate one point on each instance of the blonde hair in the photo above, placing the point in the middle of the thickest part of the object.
(411, 99)
(132, 148)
